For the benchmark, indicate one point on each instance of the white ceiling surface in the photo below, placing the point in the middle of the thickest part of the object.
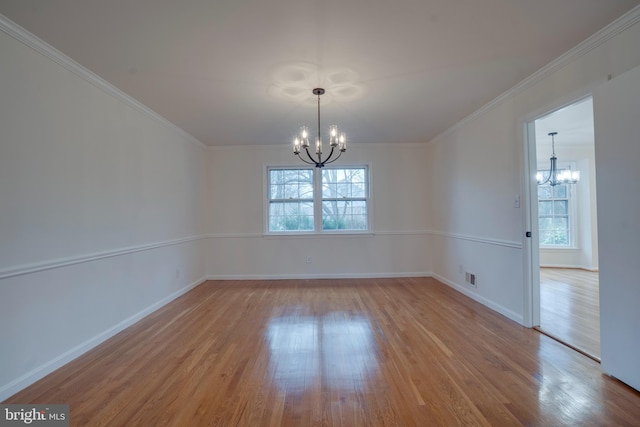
(574, 124)
(240, 72)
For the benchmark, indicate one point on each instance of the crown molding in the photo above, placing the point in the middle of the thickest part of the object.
(23, 36)
(613, 29)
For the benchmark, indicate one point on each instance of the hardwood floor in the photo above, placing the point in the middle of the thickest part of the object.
(570, 307)
(365, 352)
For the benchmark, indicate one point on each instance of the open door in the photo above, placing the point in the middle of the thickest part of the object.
(617, 136)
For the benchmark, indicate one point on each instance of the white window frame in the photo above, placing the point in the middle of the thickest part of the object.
(572, 195)
(317, 200)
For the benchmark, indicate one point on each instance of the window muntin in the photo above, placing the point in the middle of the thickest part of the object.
(554, 215)
(327, 199)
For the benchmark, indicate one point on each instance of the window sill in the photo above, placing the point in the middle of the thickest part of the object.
(560, 248)
(325, 234)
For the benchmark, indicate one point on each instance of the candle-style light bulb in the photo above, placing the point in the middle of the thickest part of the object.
(333, 135)
(342, 142)
(304, 136)
(296, 145)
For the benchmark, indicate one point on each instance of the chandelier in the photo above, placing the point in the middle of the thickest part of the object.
(336, 140)
(557, 177)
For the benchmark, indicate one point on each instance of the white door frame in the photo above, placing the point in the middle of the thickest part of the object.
(531, 245)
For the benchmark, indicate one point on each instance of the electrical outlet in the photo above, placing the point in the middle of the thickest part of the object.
(470, 278)
(308, 259)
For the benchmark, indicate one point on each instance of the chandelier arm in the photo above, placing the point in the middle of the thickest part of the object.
(311, 157)
(301, 158)
(546, 180)
(327, 161)
(553, 172)
(329, 156)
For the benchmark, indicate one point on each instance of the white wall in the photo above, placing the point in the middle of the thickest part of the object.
(477, 169)
(475, 179)
(102, 211)
(397, 246)
(617, 125)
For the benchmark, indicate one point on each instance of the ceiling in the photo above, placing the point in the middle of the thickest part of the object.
(573, 123)
(240, 72)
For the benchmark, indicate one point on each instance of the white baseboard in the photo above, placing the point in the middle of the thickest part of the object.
(41, 371)
(490, 304)
(316, 276)
(482, 300)
(575, 267)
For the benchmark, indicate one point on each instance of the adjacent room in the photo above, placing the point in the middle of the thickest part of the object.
(567, 227)
(320, 213)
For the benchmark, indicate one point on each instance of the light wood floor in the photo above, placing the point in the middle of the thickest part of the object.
(570, 307)
(383, 352)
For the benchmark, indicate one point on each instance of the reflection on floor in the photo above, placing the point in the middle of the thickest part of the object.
(570, 307)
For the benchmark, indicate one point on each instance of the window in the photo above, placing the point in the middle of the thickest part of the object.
(344, 200)
(290, 199)
(554, 214)
(327, 199)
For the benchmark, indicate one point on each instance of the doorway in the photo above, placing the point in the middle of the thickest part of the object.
(565, 278)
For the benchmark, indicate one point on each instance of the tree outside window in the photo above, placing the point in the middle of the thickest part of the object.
(554, 220)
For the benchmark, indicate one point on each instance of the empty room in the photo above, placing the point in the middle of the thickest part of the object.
(299, 213)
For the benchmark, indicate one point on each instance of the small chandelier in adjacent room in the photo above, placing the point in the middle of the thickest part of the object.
(336, 140)
(557, 177)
